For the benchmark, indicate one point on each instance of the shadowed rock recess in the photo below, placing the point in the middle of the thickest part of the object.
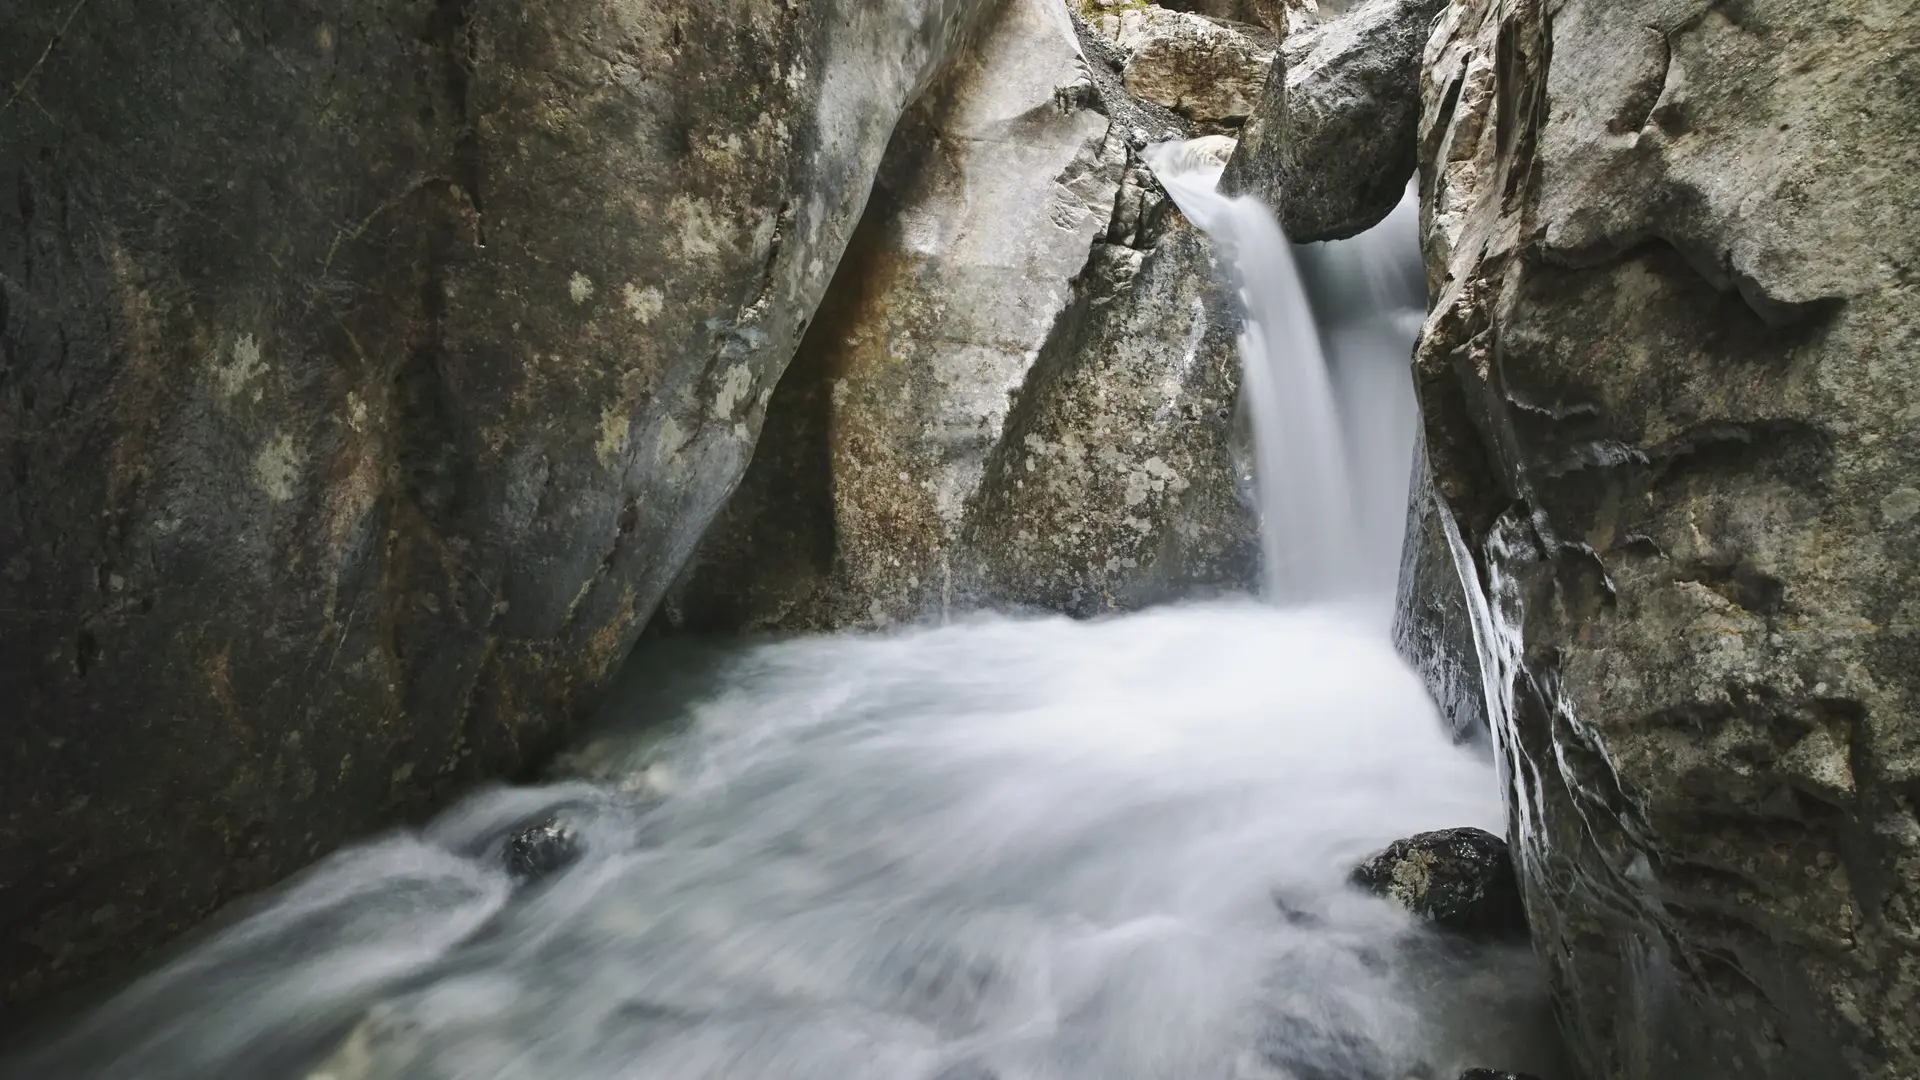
(367, 369)
(1669, 396)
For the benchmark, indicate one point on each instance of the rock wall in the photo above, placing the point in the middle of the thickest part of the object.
(1669, 395)
(367, 369)
(1020, 389)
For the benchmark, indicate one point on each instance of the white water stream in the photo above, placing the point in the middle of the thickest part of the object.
(1006, 849)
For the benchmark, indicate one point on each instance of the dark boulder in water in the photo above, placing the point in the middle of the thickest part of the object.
(541, 850)
(1457, 879)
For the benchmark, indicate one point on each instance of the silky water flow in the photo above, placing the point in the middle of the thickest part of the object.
(1001, 849)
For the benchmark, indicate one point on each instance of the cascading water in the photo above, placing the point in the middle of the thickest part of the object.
(1324, 356)
(1005, 849)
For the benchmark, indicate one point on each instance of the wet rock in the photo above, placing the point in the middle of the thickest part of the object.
(541, 850)
(1433, 623)
(1334, 139)
(1668, 385)
(1206, 71)
(1495, 1074)
(371, 366)
(1457, 879)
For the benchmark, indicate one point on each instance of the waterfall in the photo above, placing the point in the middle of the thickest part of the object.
(1328, 335)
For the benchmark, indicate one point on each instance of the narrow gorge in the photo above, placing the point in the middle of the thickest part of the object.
(960, 539)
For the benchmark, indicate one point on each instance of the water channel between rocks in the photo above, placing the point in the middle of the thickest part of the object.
(1003, 848)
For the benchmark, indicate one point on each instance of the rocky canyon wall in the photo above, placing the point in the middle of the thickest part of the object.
(367, 370)
(1669, 387)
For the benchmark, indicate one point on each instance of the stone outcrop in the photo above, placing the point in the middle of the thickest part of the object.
(1335, 140)
(1668, 387)
(1206, 71)
(1020, 391)
(369, 369)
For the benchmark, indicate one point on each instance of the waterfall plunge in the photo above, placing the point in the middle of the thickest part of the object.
(1329, 333)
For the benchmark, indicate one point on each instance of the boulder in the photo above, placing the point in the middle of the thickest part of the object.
(1459, 880)
(541, 849)
(370, 367)
(1668, 391)
(1207, 71)
(1020, 390)
(1334, 138)
(1495, 1074)
(1277, 17)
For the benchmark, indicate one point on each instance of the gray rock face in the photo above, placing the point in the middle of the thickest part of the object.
(1118, 484)
(1206, 71)
(1334, 138)
(1020, 389)
(1669, 395)
(369, 368)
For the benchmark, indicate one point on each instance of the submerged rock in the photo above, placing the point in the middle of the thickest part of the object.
(1668, 384)
(371, 367)
(541, 850)
(1335, 138)
(1457, 879)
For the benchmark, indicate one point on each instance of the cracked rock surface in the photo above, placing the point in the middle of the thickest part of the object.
(1669, 395)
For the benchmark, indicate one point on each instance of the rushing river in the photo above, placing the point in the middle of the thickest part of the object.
(1004, 849)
